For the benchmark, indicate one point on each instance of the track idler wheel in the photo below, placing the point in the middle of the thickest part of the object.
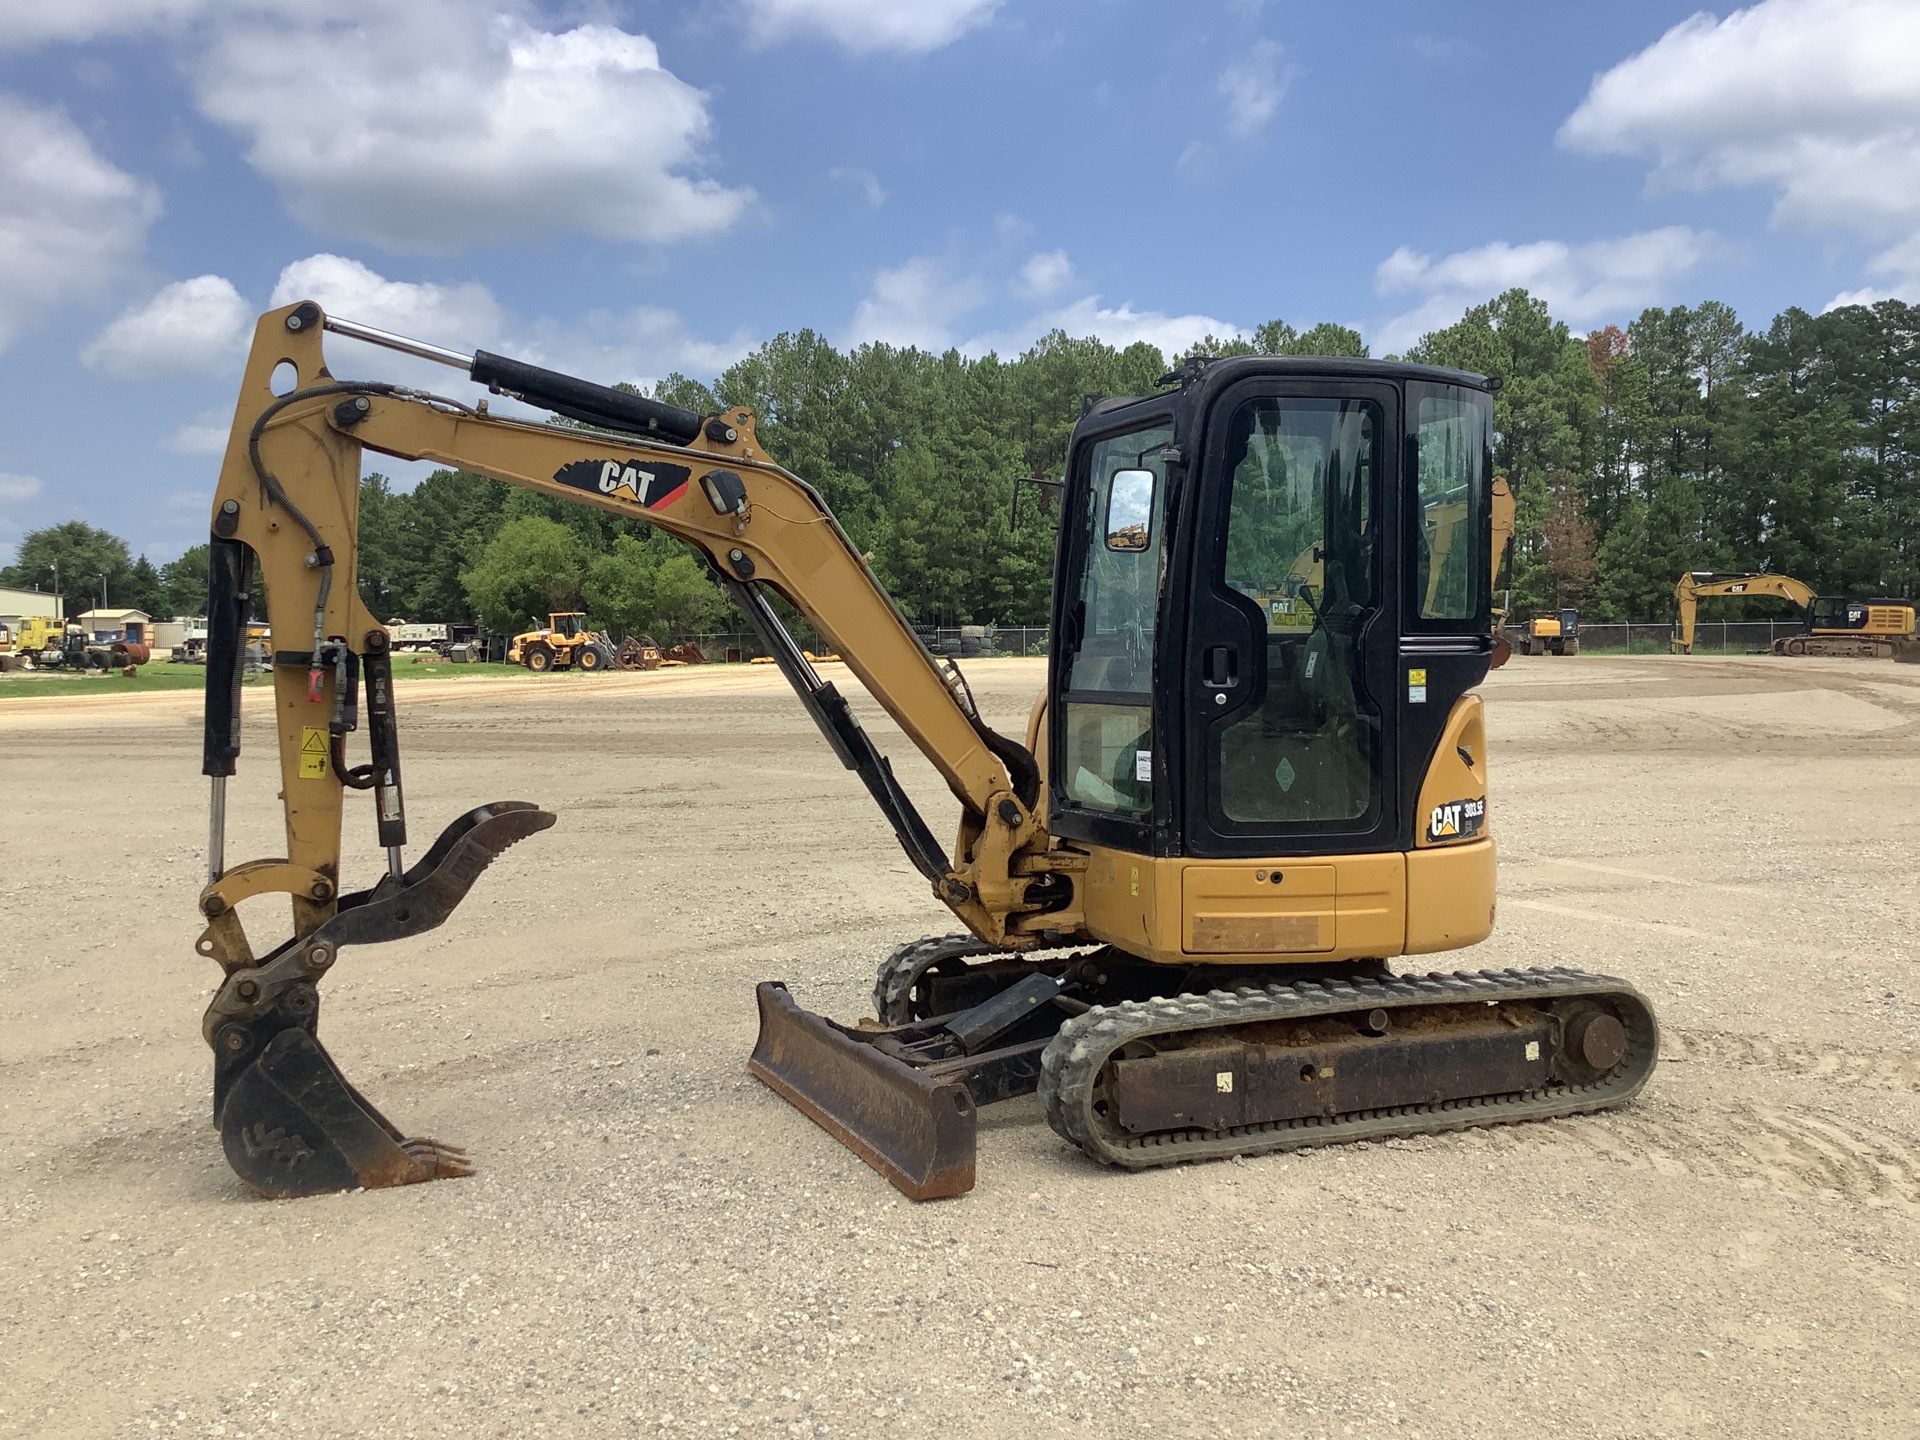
(292, 1125)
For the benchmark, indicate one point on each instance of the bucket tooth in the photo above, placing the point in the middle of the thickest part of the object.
(916, 1130)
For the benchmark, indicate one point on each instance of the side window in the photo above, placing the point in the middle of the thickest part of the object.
(1452, 432)
(1119, 590)
(1108, 712)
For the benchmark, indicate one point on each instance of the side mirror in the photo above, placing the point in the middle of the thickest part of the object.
(1130, 510)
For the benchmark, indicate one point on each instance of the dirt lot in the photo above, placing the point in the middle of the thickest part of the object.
(655, 1243)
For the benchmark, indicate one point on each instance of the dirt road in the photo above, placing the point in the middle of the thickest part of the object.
(656, 1244)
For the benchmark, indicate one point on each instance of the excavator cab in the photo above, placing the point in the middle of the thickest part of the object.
(1205, 708)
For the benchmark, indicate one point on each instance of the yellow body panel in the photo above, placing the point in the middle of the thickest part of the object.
(1544, 629)
(1450, 895)
(1881, 620)
(1325, 908)
(1314, 908)
(1455, 785)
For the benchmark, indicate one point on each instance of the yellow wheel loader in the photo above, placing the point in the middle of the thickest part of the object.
(1196, 893)
(563, 643)
(1557, 634)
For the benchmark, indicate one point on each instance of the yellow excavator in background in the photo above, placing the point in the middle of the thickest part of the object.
(1835, 626)
(1181, 888)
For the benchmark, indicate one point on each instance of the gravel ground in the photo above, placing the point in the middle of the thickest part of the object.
(657, 1244)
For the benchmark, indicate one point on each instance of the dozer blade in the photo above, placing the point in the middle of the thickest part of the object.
(292, 1126)
(915, 1130)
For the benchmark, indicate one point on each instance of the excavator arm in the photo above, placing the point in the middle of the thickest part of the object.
(1697, 585)
(288, 501)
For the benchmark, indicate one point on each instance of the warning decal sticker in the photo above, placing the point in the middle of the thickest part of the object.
(313, 752)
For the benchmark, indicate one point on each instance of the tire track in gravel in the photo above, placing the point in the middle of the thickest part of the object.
(1834, 1064)
(1781, 1147)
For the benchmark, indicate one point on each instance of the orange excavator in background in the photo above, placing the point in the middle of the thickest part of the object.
(1835, 626)
(1183, 888)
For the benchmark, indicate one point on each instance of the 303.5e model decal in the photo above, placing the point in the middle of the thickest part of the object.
(649, 487)
(1456, 820)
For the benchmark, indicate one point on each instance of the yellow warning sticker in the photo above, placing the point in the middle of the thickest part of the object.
(313, 752)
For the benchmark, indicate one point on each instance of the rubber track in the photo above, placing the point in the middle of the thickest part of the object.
(901, 971)
(1071, 1065)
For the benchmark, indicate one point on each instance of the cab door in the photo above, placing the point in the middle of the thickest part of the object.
(1291, 643)
(1106, 781)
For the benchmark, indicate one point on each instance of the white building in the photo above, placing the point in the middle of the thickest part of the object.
(17, 604)
(112, 625)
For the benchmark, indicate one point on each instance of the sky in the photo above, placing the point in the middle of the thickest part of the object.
(623, 188)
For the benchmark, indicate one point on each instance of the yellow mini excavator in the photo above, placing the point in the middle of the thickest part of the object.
(1835, 626)
(1181, 889)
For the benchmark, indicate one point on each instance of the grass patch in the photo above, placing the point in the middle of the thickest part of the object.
(159, 675)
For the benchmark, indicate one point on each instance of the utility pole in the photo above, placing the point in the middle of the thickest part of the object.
(55, 567)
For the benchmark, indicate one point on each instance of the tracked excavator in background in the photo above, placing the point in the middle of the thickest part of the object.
(1182, 888)
(1835, 626)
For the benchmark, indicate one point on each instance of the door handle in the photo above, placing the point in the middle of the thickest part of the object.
(1220, 666)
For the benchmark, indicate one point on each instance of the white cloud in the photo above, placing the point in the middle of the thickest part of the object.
(1254, 85)
(1119, 326)
(1440, 49)
(1817, 101)
(14, 488)
(69, 221)
(1045, 274)
(638, 346)
(205, 434)
(456, 316)
(27, 23)
(192, 327)
(1579, 282)
(925, 301)
(867, 182)
(911, 27)
(421, 127)
(916, 304)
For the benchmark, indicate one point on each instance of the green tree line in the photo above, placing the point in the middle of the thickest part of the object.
(1682, 441)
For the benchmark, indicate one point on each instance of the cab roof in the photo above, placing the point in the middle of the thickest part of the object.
(1226, 370)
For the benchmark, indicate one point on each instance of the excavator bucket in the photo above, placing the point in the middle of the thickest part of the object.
(290, 1122)
(292, 1126)
(914, 1128)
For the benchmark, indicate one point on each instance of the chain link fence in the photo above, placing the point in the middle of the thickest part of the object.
(968, 642)
(962, 642)
(1710, 637)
